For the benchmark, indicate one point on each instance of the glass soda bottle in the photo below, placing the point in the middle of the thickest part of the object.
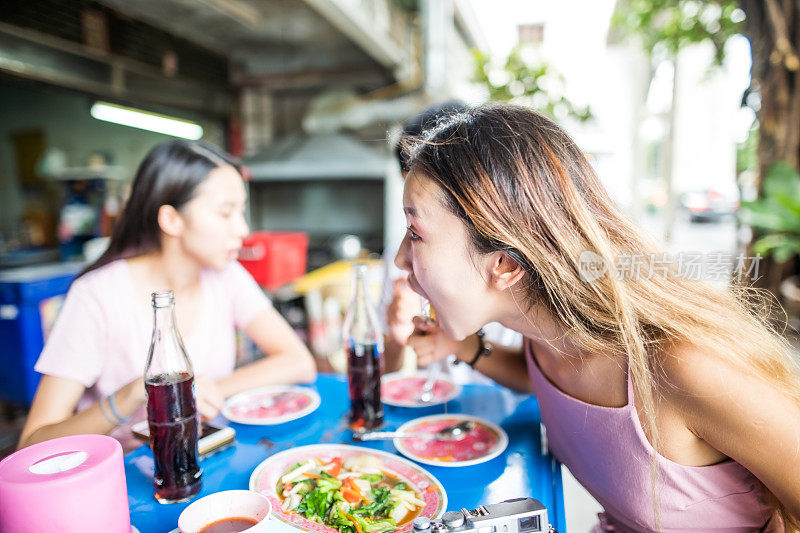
(171, 407)
(364, 346)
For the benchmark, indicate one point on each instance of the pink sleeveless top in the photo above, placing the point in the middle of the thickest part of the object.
(606, 450)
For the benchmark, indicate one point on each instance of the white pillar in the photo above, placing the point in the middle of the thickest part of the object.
(437, 17)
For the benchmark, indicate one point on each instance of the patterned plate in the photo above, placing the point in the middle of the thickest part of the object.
(271, 405)
(402, 390)
(266, 475)
(484, 442)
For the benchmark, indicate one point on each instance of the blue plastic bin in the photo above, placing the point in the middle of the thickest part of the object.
(30, 298)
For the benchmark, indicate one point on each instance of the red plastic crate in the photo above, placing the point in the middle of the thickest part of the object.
(274, 258)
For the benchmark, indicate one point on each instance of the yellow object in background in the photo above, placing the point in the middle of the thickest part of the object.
(327, 292)
(333, 273)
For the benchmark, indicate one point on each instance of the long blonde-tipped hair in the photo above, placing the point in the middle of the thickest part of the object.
(522, 186)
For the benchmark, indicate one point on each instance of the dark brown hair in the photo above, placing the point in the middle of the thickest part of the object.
(169, 175)
(423, 121)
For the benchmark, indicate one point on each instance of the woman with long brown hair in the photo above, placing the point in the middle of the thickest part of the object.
(669, 399)
(181, 229)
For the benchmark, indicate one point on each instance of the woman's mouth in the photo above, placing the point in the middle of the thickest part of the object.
(412, 282)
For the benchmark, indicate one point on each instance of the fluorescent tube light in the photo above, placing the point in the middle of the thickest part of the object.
(145, 120)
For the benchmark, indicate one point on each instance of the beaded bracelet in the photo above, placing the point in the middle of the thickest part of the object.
(484, 348)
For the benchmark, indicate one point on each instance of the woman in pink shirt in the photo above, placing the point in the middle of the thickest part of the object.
(181, 229)
(669, 399)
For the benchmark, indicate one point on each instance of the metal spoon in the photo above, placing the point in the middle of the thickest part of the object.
(450, 433)
(426, 393)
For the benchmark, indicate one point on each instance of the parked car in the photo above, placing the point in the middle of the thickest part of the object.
(708, 205)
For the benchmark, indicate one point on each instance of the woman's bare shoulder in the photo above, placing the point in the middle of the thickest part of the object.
(723, 400)
(693, 376)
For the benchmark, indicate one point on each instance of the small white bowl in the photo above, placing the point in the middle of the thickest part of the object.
(226, 504)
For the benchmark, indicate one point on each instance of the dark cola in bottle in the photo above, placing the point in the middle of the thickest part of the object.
(171, 407)
(364, 345)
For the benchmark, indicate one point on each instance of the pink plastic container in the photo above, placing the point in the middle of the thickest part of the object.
(70, 484)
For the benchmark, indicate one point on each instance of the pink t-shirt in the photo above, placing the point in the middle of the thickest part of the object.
(102, 334)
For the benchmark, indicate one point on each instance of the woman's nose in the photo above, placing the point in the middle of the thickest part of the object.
(401, 260)
(242, 229)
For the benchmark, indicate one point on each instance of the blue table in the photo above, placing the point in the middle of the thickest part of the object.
(522, 470)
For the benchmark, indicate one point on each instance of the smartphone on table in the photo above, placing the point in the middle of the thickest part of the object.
(212, 438)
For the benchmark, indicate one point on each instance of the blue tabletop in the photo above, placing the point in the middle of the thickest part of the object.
(522, 470)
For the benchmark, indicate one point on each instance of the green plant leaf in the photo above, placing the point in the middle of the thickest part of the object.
(768, 215)
(527, 82)
(666, 26)
(782, 180)
(779, 207)
(780, 246)
(789, 203)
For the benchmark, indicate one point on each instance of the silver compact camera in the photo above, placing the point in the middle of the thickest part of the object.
(520, 515)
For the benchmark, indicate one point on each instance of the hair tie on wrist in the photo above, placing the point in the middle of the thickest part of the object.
(113, 416)
(112, 405)
(108, 416)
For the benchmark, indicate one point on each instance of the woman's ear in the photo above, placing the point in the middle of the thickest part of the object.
(505, 272)
(170, 221)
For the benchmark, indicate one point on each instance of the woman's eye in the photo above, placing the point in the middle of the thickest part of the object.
(228, 212)
(411, 235)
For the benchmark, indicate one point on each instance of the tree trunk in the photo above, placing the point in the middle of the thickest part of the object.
(773, 28)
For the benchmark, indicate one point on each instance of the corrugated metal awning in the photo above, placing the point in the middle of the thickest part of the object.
(318, 157)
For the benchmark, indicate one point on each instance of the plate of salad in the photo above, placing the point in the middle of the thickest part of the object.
(271, 405)
(327, 488)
